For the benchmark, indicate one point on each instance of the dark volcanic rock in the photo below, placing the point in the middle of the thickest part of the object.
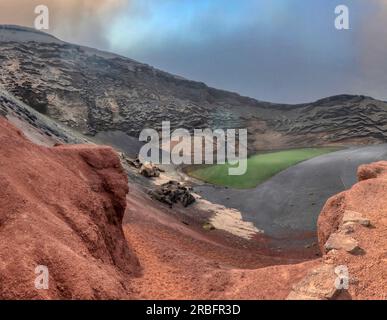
(338, 118)
(173, 192)
(96, 91)
(3, 111)
(32, 97)
(9, 106)
(149, 170)
(136, 163)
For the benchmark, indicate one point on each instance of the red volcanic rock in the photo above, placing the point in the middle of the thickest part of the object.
(330, 218)
(372, 171)
(333, 211)
(359, 214)
(62, 208)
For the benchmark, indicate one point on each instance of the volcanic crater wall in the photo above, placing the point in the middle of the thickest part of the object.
(96, 91)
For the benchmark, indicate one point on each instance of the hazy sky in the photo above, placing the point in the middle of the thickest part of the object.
(275, 50)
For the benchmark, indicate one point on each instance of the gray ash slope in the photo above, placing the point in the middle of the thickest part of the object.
(94, 91)
(29, 120)
(290, 203)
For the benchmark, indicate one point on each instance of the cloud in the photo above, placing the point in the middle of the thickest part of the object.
(281, 51)
(287, 51)
(79, 21)
(372, 50)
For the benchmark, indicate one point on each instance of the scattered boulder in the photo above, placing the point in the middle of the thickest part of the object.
(208, 226)
(173, 192)
(352, 217)
(136, 163)
(348, 228)
(149, 170)
(146, 169)
(319, 284)
(340, 241)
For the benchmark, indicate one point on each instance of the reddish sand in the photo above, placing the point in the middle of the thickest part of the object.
(179, 262)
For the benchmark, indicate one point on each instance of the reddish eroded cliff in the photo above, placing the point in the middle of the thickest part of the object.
(368, 197)
(371, 171)
(62, 208)
(352, 232)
